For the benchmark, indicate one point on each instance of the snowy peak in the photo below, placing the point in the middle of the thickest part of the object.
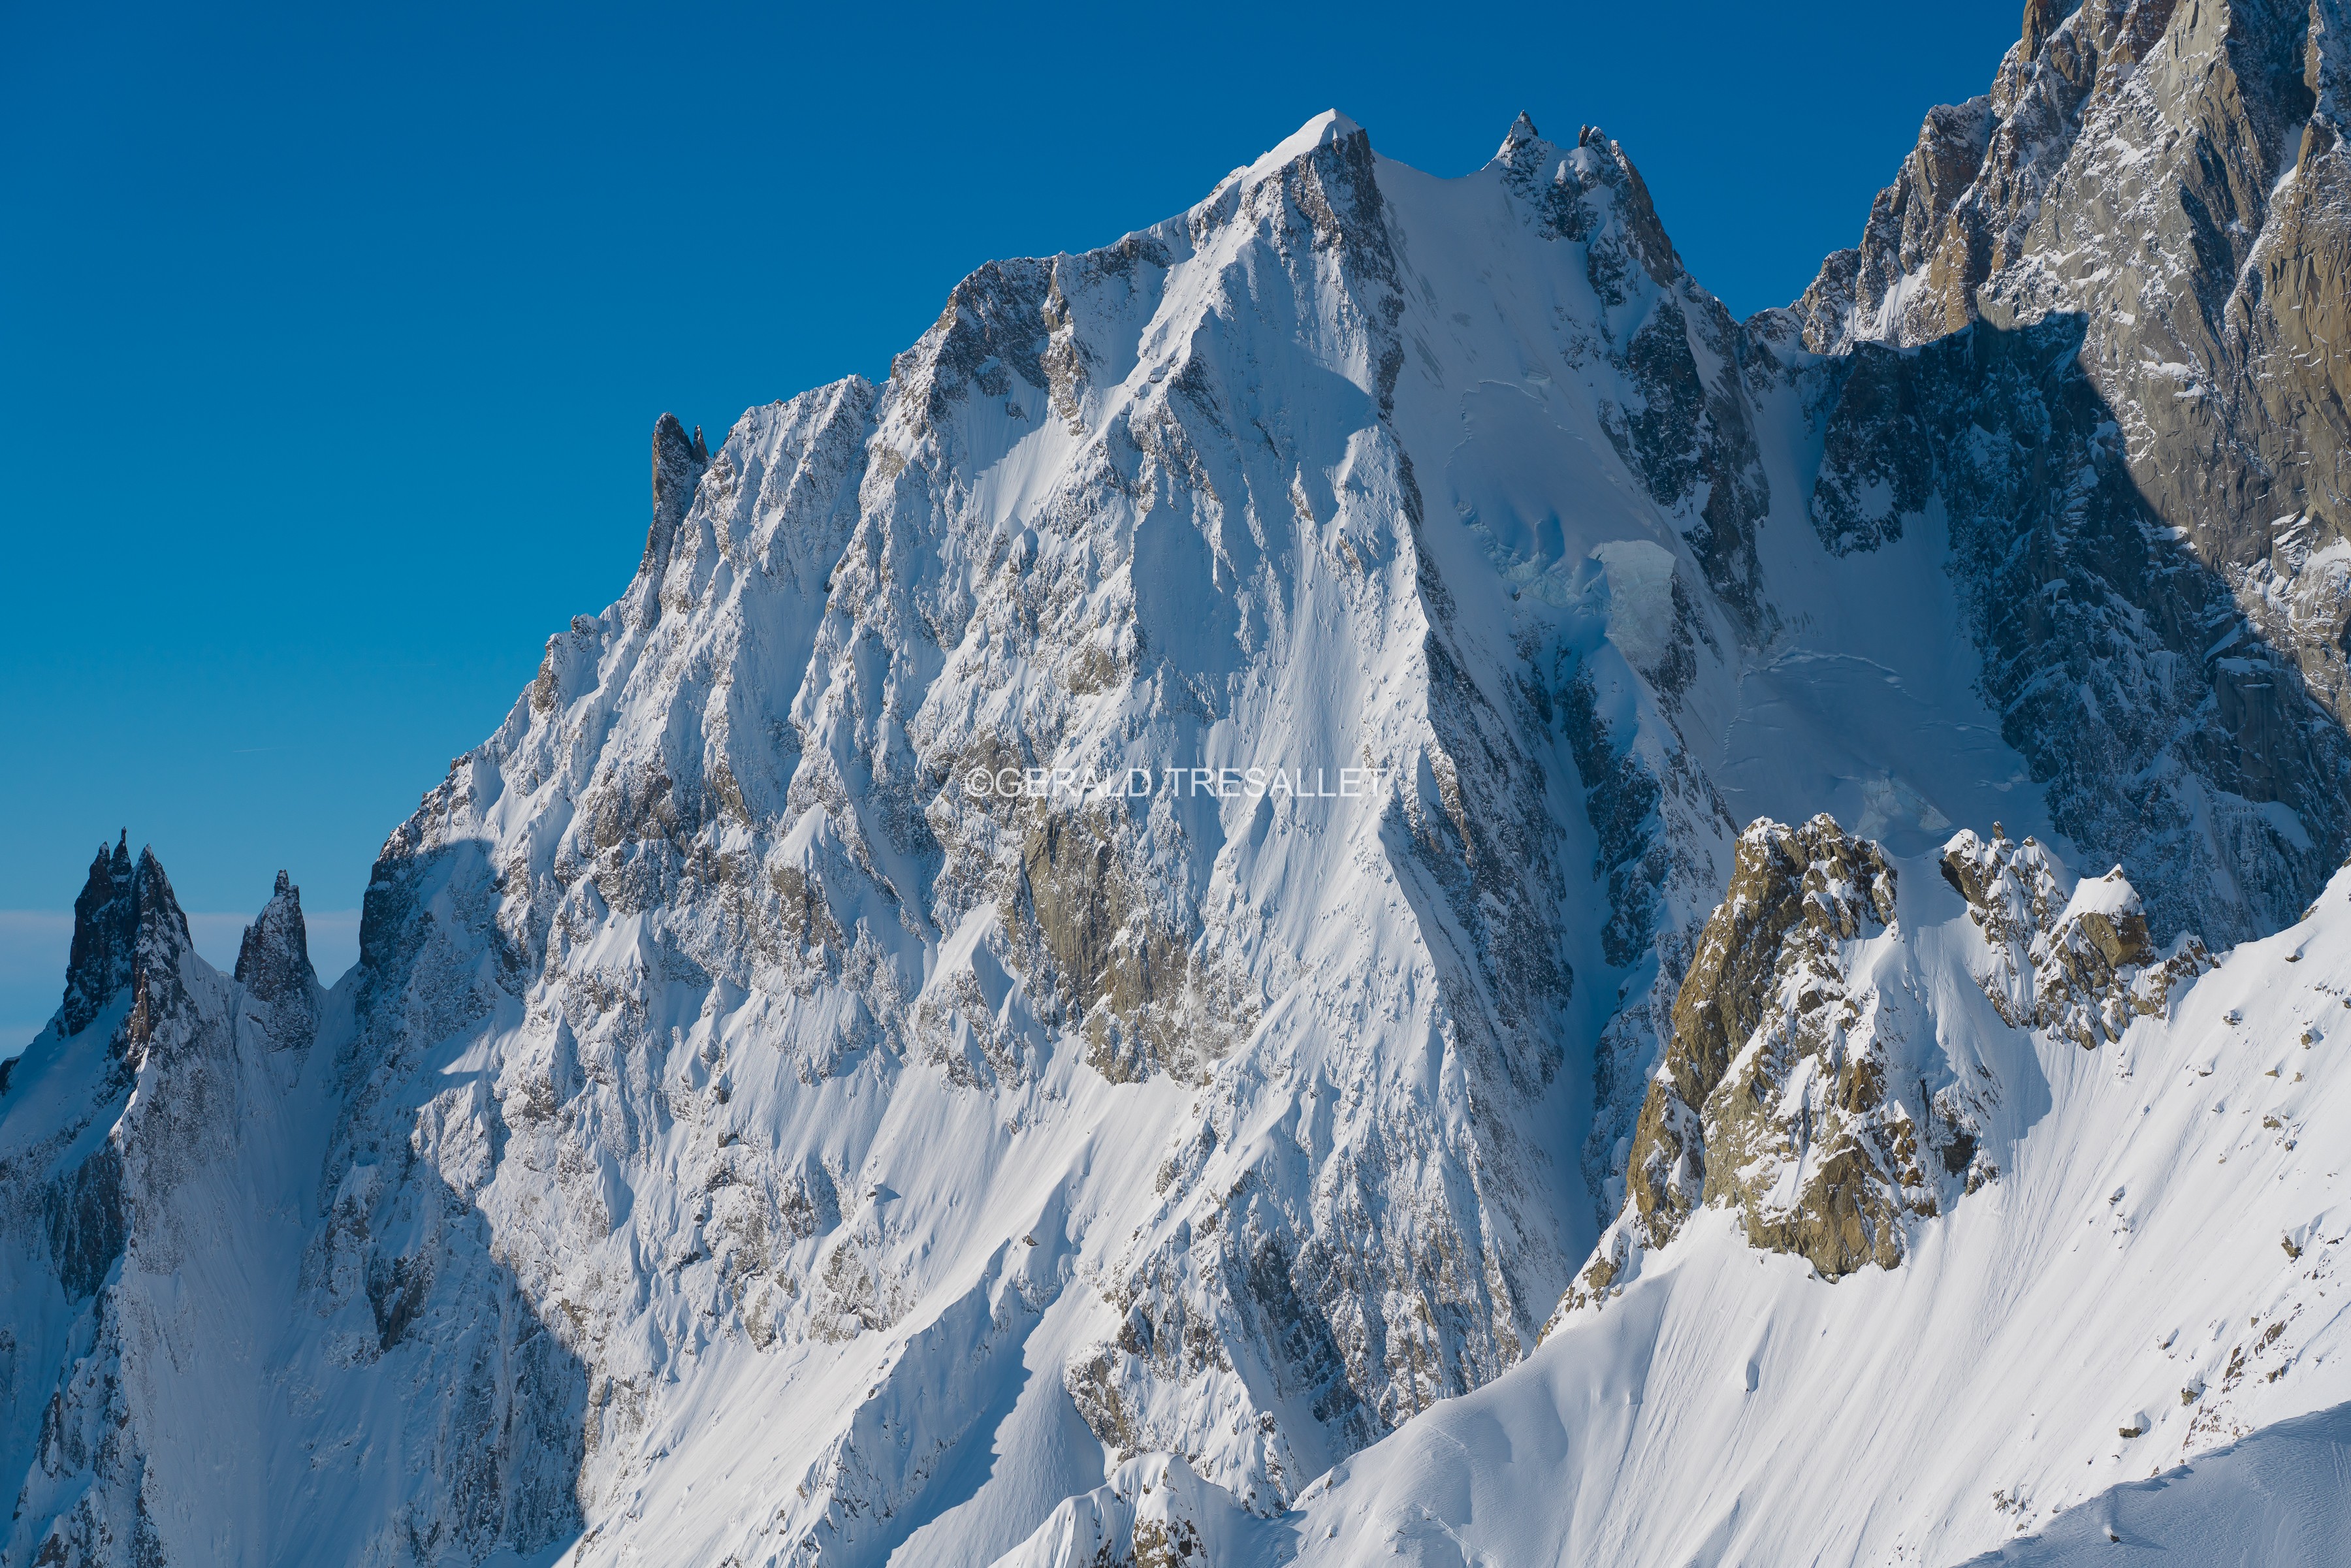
(1325, 130)
(1063, 929)
(1577, 190)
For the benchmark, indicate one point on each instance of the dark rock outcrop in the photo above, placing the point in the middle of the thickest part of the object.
(2080, 967)
(273, 963)
(106, 926)
(1715, 1129)
(1792, 1090)
(679, 462)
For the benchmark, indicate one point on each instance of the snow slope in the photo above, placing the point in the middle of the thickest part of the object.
(2161, 1254)
(2273, 1500)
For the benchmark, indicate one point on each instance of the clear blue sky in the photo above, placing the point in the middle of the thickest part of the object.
(331, 337)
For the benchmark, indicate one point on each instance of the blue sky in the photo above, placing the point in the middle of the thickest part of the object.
(331, 337)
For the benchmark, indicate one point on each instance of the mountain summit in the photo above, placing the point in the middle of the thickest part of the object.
(1350, 875)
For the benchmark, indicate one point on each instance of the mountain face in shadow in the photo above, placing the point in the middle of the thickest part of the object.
(2172, 737)
(206, 1354)
(2175, 177)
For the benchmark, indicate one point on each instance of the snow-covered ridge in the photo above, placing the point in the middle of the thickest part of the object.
(742, 1140)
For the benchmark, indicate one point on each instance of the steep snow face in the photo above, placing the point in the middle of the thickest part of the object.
(1215, 1111)
(1093, 935)
(2153, 1274)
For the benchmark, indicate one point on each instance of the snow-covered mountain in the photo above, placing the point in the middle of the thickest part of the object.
(1349, 879)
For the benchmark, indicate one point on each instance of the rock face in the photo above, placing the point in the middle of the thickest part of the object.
(1811, 1083)
(1794, 897)
(1806, 1087)
(1794, 1088)
(2111, 279)
(2081, 967)
(2088, 607)
(1115, 914)
(2167, 173)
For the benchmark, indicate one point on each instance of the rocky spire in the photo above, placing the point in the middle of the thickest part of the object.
(1647, 233)
(273, 963)
(126, 914)
(678, 463)
(126, 920)
(159, 941)
(2040, 19)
